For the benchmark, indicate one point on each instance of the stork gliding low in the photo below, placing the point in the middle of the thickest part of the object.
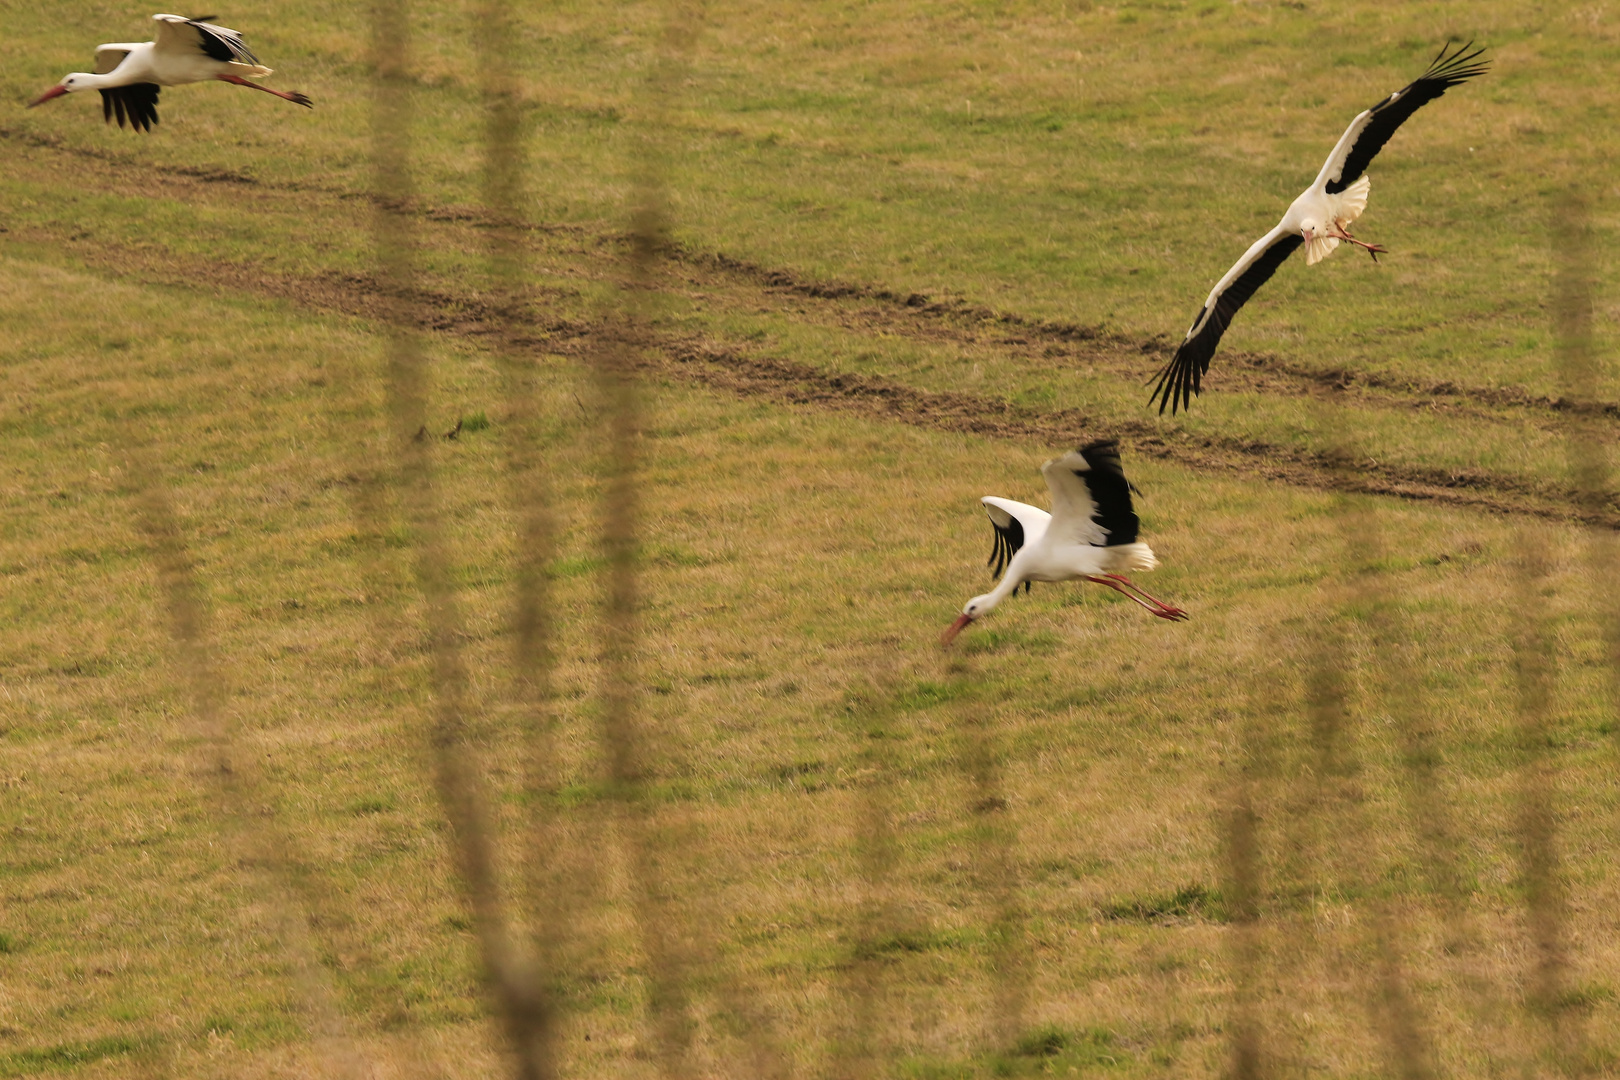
(129, 75)
(1090, 535)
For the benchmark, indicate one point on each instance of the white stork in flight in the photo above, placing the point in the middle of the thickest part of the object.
(1319, 219)
(1090, 534)
(182, 51)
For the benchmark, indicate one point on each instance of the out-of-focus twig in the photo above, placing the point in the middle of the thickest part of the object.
(858, 1049)
(531, 1021)
(1540, 862)
(1579, 371)
(994, 865)
(1534, 665)
(667, 938)
(256, 843)
(510, 970)
(1337, 795)
(1242, 852)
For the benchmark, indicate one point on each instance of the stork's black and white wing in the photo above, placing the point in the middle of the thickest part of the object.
(136, 102)
(1016, 524)
(177, 33)
(1183, 376)
(1369, 131)
(1091, 499)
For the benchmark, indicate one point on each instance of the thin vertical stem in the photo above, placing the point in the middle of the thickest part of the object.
(994, 869)
(532, 1016)
(1579, 368)
(235, 783)
(620, 392)
(1243, 888)
(1576, 355)
(1534, 666)
(1540, 863)
(858, 1050)
(1340, 771)
(455, 770)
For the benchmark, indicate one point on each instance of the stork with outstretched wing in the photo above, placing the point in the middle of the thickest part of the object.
(1317, 220)
(1090, 535)
(183, 50)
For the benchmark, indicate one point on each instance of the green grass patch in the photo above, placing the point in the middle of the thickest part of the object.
(976, 202)
(1049, 1050)
(66, 1056)
(1188, 902)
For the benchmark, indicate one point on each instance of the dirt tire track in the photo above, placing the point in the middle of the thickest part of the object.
(1018, 329)
(720, 365)
(907, 313)
(723, 366)
(790, 383)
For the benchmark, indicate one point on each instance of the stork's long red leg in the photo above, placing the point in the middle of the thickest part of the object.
(1160, 608)
(293, 96)
(1128, 583)
(1343, 233)
(1157, 607)
(1123, 592)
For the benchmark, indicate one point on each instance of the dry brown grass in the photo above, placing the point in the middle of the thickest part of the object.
(1354, 819)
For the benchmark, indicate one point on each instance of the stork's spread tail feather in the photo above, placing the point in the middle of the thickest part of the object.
(1131, 558)
(1318, 248)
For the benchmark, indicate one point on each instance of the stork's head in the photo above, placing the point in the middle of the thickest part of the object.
(70, 83)
(1310, 229)
(973, 609)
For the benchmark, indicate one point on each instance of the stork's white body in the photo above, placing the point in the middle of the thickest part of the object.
(171, 58)
(146, 62)
(1061, 554)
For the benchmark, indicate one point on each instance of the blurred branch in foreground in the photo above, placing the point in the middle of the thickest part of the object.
(510, 971)
(1339, 850)
(1541, 874)
(1580, 374)
(1546, 892)
(864, 998)
(254, 844)
(655, 842)
(993, 861)
(1252, 773)
(532, 1022)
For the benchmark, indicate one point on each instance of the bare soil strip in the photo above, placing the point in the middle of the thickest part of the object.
(728, 368)
(973, 323)
(861, 308)
(856, 305)
(783, 381)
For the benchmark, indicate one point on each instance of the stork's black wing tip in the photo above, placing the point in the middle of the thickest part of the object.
(135, 104)
(1458, 66)
(1175, 388)
(1160, 394)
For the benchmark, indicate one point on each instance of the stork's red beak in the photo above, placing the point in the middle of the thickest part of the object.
(955, 628)
(54, 92)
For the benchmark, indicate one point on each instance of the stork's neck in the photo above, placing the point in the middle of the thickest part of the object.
(84, 80)
(1004, 588)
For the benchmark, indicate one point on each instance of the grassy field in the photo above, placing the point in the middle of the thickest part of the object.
(1357, 816)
